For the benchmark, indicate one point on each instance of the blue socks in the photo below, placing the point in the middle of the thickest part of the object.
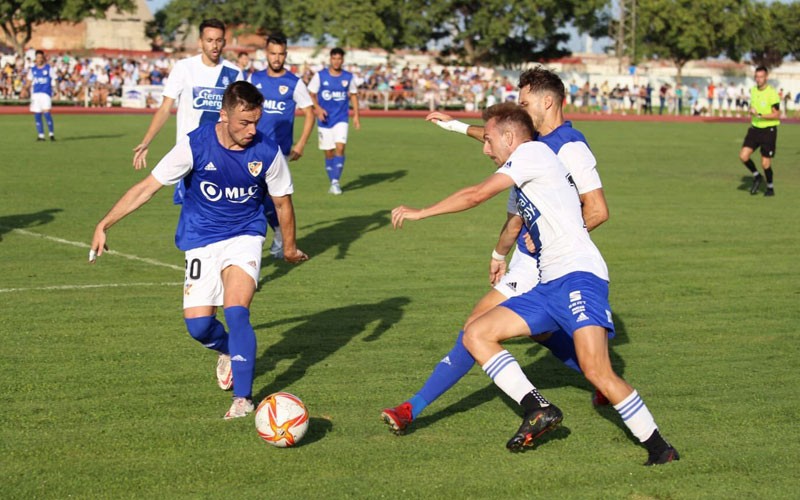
(329, 169)
(563, 347)
(209, 332)
(242, 343)
(338, 166)
(39, 125)
(49, 119)
(450, 370)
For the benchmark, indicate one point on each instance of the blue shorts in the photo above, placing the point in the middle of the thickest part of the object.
(568, 303)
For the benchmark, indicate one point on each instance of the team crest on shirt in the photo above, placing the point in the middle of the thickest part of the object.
(254, 167)
(344, 83)
(283, 89)
(225, 81)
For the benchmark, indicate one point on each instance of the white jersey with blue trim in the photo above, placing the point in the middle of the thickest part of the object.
(225, 188)
(198, 89)
(333, 94)
(572, 149)
(548, 202)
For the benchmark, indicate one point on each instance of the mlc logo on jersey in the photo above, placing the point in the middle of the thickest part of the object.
(233, 194)
(254, 167)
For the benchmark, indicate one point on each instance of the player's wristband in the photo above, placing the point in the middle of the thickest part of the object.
(497, 256)
(454, 126)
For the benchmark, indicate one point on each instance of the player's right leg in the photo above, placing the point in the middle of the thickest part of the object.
(748, 146)
(521, 276)
(483, 339)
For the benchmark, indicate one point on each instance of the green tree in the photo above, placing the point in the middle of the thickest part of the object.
(20, 16)
(510, 32)
(772, 33)
(688, 30)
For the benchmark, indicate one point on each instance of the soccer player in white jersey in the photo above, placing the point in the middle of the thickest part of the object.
(541, 95)
(228, 168)
(40, 81)
(572, 295)
(331, 90)
(283, 92)
(197, 83)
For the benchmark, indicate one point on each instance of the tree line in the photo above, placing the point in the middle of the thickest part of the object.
(504, 33)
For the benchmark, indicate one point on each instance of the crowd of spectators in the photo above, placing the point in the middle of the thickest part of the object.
(99, 80)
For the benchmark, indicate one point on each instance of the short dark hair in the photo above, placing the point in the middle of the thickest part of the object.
(242, 53)
(243, 94)
(510, 114)
(212, 23)
(542, 80)
(762, 68)
(40, 51)
(337, 51)
(277, 39)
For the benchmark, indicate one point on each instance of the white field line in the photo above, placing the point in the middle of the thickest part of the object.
(82, 287)
(110, 252)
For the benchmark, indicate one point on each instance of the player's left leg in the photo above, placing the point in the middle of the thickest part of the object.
(49, 119)
(239, 279)
(767, 153)
(37, 117)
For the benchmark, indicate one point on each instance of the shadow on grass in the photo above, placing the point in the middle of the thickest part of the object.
(22, 221)
(90, 137)
(746, 183)
(318, 428)
(545, 373)
(339, 233)
(317, 336)
(368, 180)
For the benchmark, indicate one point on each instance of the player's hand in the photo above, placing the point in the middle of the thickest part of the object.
(497, 269)
(294, 257)
(529, 244)
(403, 213)
(321, 114)
(357, 123)
(140, 156)
(295, 153)
(98, 244)
(437, 116)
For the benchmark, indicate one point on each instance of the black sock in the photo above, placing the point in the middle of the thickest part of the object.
(768, 175)
(655, 444)
(751, 166)
(533, 401)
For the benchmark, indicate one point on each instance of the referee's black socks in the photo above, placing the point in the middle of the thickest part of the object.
(751, 167)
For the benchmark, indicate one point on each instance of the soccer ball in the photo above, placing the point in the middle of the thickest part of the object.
(281, 419)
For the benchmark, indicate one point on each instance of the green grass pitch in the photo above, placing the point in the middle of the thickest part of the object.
(104, 394)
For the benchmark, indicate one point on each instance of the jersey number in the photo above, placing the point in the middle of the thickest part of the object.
(193, 269)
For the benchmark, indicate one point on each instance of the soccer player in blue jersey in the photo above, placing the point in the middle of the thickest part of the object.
(283, 92)
(541, 95)
(573, 293)
(40, 79)
(197, 84)
(228, 168)
(332, 90)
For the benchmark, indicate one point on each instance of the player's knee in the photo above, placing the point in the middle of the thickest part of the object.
(201, 329)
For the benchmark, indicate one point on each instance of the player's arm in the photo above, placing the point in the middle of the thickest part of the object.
(446, 122)
(594, 208)
(459, 201)
(159, 119)
(313, 89)
(285, 211)
(354, 105)
(135, 197)
(505, 242)
(308, 126)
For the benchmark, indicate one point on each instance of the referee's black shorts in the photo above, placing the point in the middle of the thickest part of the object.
(763, 138)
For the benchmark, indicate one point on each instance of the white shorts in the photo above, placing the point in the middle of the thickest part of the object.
(521, 277)
(203, 282)
(328, 137)
(40, 103)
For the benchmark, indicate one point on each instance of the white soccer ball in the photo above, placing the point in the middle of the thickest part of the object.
(281, 419)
